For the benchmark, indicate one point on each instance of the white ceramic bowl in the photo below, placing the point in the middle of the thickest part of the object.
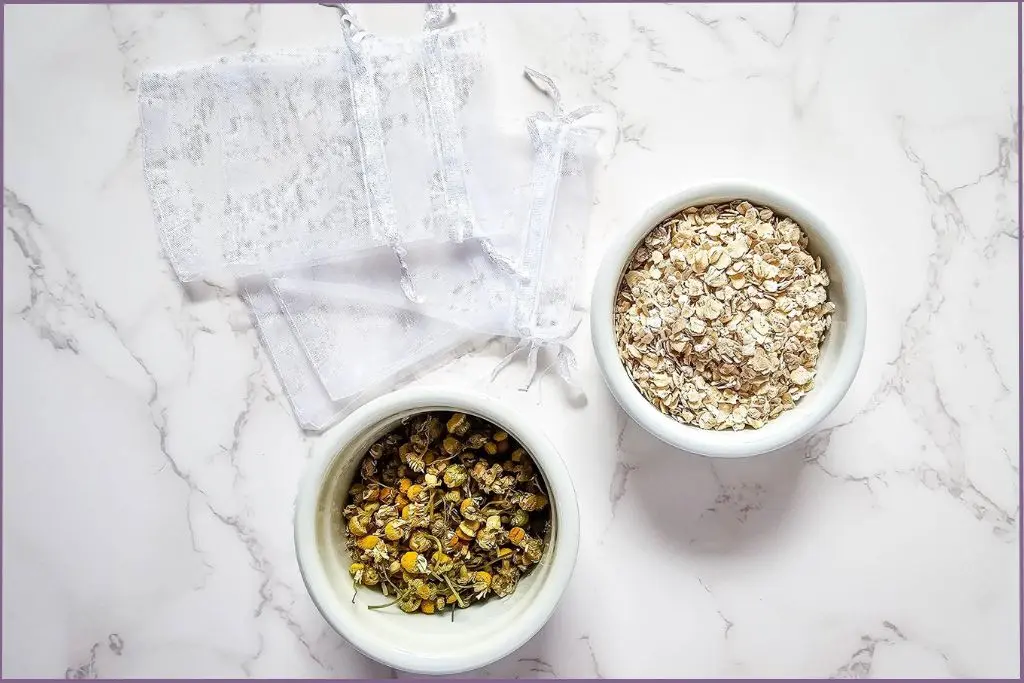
(420, 643)
(841, 350)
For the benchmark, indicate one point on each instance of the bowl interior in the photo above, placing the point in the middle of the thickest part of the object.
(420, 636)
(840, 349)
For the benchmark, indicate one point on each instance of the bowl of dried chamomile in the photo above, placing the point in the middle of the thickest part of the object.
(729, 321)
(436, 529)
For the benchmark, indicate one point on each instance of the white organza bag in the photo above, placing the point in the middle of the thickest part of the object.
(322, 166)
(313, 408)
(254, 163)
(432, 102)
(521, 286)
(400, 347)
(354, 346)
(263, 162)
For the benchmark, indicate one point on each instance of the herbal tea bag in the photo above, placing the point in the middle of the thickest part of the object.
(263, 162)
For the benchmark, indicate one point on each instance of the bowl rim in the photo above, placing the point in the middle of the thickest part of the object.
(712, 443)
(564, 550)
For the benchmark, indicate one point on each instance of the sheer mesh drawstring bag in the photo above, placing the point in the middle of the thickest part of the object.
(313, 408)
(422, 345)
(431, 98)
(264, 162)
(529, 294)
(238, 154)
(353, 346)
(254, 163)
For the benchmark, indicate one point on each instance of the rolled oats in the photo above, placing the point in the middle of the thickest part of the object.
(720, 315)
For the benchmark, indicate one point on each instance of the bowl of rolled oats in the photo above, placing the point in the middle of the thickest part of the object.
(436, 529)
(729, 321)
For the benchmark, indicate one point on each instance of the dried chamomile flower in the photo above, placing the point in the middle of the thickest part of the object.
(488, 539)
(369, 468)
(438, 526)
(501, 485)
(469, 509)
(414, 563)
(387, 495)
(410, 603)
(458, 424)
(503, 585)
(357, 525)
(522, 470)
(432, 428)
(516, 535)
(519, 518)
(395, 529)
(424, 590)
(438, 516)
(533, 549)
(442, 563)
(371, 493)
(481, 583)
(455, 476)
(380, 554)
(420, 542)
(371, 577)
(531, 502)
(467, 530)
(368, 542)
(451, 445)
(416, 461)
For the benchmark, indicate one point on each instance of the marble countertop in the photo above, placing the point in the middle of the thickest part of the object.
(150, 458)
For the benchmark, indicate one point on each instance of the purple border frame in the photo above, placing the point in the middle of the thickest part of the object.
(1020, 223)
(1020, 328)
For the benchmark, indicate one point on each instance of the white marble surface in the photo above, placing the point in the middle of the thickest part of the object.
(150, 459)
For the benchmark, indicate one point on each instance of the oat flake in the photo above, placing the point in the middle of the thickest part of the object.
(720, 315)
